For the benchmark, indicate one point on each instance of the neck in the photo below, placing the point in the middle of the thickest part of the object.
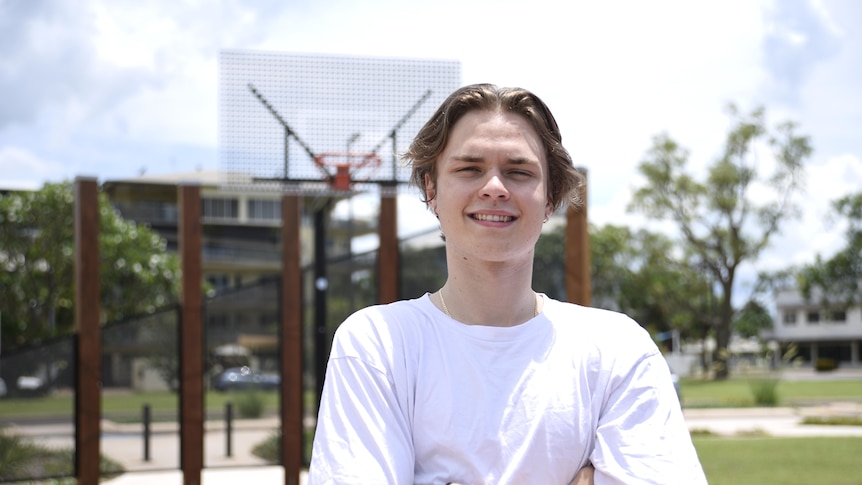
(492, 294)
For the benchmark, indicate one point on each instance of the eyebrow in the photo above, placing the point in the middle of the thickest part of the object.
(479, 159)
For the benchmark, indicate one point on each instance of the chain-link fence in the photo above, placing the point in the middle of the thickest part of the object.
(37, 411)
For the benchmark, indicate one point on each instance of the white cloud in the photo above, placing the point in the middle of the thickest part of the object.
(21, 169)
(110, 86)
(818, 231)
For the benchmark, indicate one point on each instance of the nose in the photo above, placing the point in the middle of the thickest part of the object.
(494, 188)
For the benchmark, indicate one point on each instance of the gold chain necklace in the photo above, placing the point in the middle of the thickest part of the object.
(446, 309)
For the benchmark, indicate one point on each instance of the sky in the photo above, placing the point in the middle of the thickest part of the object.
(115, 88)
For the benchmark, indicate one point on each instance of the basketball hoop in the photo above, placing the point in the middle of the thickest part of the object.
(344, 162)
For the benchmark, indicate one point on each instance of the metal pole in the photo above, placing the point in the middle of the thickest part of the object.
(228, 427)
(146, 421)
(321, 351)
(350, 294)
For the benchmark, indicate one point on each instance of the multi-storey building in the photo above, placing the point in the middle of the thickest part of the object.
(241, 246)
(818, 330)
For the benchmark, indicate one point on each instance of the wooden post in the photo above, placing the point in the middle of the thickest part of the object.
(191, 336)
(88, 403)
(578, 283)
(291, 339)
(387, 256)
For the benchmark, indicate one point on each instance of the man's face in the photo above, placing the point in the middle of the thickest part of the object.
(491, 190)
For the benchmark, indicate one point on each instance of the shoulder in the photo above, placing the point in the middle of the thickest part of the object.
(603, 332)
(595, 322)
(382, 327)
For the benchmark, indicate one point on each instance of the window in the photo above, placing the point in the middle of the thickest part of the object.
(813, 317)
(220, 208)
(219, 282)
(838, 316)
(264, 209)
(789, 318)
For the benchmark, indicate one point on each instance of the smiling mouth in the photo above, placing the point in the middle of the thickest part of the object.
(492, 218)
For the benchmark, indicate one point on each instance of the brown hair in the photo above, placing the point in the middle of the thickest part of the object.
(563, 179)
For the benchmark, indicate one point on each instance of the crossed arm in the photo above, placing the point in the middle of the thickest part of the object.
(584, 476)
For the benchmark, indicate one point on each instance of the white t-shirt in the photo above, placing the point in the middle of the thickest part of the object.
(413, 396)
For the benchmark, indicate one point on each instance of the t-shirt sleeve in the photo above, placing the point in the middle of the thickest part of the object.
(363, 434)
(641, 436)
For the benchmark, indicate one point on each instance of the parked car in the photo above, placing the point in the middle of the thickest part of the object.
(245, 378)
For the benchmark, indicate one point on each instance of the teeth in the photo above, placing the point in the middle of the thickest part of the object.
(493, 218)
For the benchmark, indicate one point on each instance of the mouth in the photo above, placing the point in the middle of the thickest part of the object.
(493, 217)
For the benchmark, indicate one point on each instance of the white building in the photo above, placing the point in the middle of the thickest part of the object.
(818, 331)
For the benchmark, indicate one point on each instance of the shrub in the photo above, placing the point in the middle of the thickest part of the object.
(833, 420)
(16, 454)
(824, 364)
(21, 459)
(249, 403)
(765, 391)
(268, 449)
(702, 432)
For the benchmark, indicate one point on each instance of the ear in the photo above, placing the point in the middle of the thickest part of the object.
(430, 193)
(549, 209)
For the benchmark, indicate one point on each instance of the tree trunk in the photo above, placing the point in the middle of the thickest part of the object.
(721, 355)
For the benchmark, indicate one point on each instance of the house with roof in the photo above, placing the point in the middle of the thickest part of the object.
(818, 330)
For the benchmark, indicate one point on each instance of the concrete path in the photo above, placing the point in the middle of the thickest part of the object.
(781, 422)
(265, 475)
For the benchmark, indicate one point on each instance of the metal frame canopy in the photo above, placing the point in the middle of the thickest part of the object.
(315, 123)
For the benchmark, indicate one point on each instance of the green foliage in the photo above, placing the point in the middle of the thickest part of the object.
(36, 265)
(721, 221)
(824, 364)
(269, 448)
(841, 420)
(422, 270)
(249, 403)
(752, 319)
(16, 455)
(23, 460)
(765, 390)
(839, 277)
(549, 275)
(642, 274)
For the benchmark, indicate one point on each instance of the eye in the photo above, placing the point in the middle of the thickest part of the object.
(521, 173)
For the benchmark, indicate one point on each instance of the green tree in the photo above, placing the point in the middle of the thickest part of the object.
(549, 272)
(37, 264)
(751, 319)
(646, 276)
(839, 277)
(422, 270)
(639, 273)
(730, 217)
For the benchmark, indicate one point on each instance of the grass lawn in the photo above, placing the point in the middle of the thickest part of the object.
(695, 393)
(737, 392)
(129, 406)
(785, 461)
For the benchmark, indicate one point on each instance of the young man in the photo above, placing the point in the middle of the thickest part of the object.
(486, 381)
